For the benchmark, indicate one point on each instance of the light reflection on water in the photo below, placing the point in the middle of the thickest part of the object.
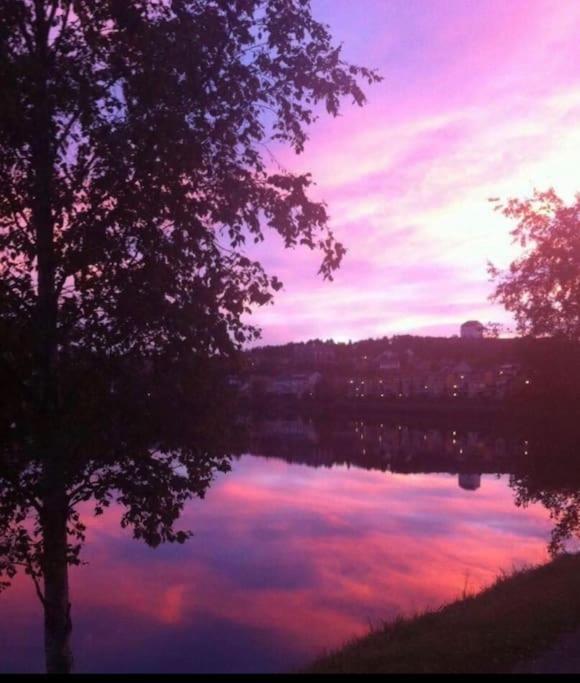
(288, 559)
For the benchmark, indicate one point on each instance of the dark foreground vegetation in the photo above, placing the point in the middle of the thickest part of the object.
(511, 621)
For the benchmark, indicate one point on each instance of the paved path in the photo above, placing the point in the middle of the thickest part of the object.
(561, 658)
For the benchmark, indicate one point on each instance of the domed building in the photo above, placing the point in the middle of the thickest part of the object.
(472, 329)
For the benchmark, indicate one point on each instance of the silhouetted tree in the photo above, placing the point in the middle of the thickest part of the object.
(133, 170)
(493, 330)
(542, 287)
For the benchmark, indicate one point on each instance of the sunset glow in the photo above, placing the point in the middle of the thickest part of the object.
(479, 100)
(289, 336)
(278, 547)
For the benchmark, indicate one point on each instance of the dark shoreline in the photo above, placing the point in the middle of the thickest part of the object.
(482, 413)
(505, 627)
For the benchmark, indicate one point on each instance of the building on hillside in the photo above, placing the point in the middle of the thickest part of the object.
(299, 385)
(472, 329)
(388, 361)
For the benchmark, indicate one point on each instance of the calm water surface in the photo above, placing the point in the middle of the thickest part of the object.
(312, 537)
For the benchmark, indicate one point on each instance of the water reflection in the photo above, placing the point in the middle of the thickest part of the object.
(542, 460)
(384, 446)
(329, 524)
(125, 442)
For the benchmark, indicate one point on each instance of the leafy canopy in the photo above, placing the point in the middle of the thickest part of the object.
(148, 122)
(542, 287)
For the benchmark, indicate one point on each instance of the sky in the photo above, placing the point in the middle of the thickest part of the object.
(480, 99)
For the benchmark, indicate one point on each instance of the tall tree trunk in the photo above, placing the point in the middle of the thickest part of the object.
(43, 157)
(54, 514)
(57, 607)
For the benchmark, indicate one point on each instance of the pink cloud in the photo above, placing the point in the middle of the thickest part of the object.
(479, 99)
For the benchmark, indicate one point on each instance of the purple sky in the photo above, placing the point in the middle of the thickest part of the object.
(480, 98)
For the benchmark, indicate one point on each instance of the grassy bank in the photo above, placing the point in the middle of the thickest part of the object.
(512, 620)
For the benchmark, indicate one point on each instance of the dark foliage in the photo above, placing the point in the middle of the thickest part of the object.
(542, 287)
(134, 166)
(148, 441)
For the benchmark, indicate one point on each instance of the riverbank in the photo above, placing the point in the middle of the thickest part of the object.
(511, 622)
(490, 412)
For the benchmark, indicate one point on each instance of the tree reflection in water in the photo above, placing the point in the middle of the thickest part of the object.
(152, 441)
(540, 456)
(147, 441)
(550, 475)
